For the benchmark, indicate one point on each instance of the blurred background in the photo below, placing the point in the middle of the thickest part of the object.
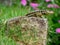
(13, 8)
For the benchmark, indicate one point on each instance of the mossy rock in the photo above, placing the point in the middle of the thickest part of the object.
(27, 30)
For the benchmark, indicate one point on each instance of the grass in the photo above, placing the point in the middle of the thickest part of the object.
(5, 14)
(9, 12)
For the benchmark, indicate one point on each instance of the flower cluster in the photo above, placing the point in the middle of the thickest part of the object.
(47, 0)
(24, 2)
(58, 29)
(35, 5)
(53, 6)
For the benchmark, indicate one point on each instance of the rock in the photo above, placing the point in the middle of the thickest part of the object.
(27, 30)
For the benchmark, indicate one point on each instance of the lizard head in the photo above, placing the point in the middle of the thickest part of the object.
(45, 12)
(49, 12)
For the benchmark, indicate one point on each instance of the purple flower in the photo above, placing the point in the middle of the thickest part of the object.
(49, 5)
(56, 6)
(58, 30)
(53, 6)
(47, 0)
(34, 5)
(23, 2)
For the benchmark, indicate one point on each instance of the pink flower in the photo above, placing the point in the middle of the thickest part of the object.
(34, 5)
(47, 0)
(58, 30)
(59, 21)
(56, 6)
(49, 5)
(23, 2)
(53, 6)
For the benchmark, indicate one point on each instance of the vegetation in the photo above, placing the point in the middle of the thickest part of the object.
(7, 12)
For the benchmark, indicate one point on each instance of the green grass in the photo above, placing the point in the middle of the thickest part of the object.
(5, 14)
(10, 12)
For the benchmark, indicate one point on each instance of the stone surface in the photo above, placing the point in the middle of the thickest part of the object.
(27, 30)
